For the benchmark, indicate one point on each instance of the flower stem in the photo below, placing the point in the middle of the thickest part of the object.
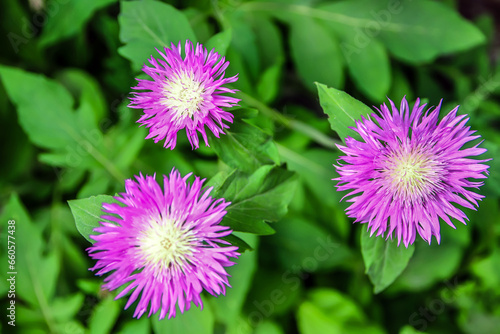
(292, 124)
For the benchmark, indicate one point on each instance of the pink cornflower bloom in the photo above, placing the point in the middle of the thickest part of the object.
(164, 245)
(409, 170)
(184, 94)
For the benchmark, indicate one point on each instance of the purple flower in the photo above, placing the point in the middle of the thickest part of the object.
(409, 170)
(185, 93)
(163, 245)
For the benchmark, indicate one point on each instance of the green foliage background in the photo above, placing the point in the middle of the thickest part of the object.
(307, 69)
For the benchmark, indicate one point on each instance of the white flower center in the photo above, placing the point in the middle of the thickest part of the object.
(412, 174)
(165, 244)
(183, 95)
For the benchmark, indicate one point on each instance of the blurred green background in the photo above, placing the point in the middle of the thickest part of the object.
(66, 71)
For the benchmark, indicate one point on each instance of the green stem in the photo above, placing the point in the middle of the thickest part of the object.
(311, 132)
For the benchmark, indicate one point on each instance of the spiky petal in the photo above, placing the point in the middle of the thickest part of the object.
(186, 93)
(409, 170)
(163, 244)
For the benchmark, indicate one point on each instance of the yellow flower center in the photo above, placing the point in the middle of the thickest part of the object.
(164, 244)
(183, 95)
(412, 174)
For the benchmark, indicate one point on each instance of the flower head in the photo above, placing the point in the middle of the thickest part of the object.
(164, 245)
(409, 170)
(185, 93)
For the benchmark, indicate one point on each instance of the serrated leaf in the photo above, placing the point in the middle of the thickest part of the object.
(342, 110)
(384, 260)
(88, 212)
(146, 25)
(246, 147)
(257, 198)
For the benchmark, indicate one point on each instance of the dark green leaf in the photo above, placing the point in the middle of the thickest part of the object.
(415, 31)
(384, 260)
(316, 54)
(257, 198)
(245, 146)
(146, 25)
(342, 110)
(68, 18)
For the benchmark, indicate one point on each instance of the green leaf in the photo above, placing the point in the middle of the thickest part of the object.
(384, 260)
(45, 110)
(257, 198)
(316, 54)
(34, 283)
(237, 241)
(414, 31)
(245, 146)
(220, 42)
(311, 320)
(269, 40)
(146, 25)
(244, 42)
(136, 326)
(268, 85)
(228, 307)
(43, 105)
(68, 18)
(104, 316)
(342, 110)
(93, 106)
(421, 274)
(311, 245)
(65, 308)
(194, 321)
(88, 212)
(268, 327)
(371, 70)
(331, 309)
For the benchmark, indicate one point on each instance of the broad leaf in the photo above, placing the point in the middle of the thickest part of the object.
(220, 42)
(257, 198)
(316, 53)
(415, 31)
(245, 146)
(146, 25)
(384, 260)
(67, 18)
(88, 212)
(35, 285)
(342, 110)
